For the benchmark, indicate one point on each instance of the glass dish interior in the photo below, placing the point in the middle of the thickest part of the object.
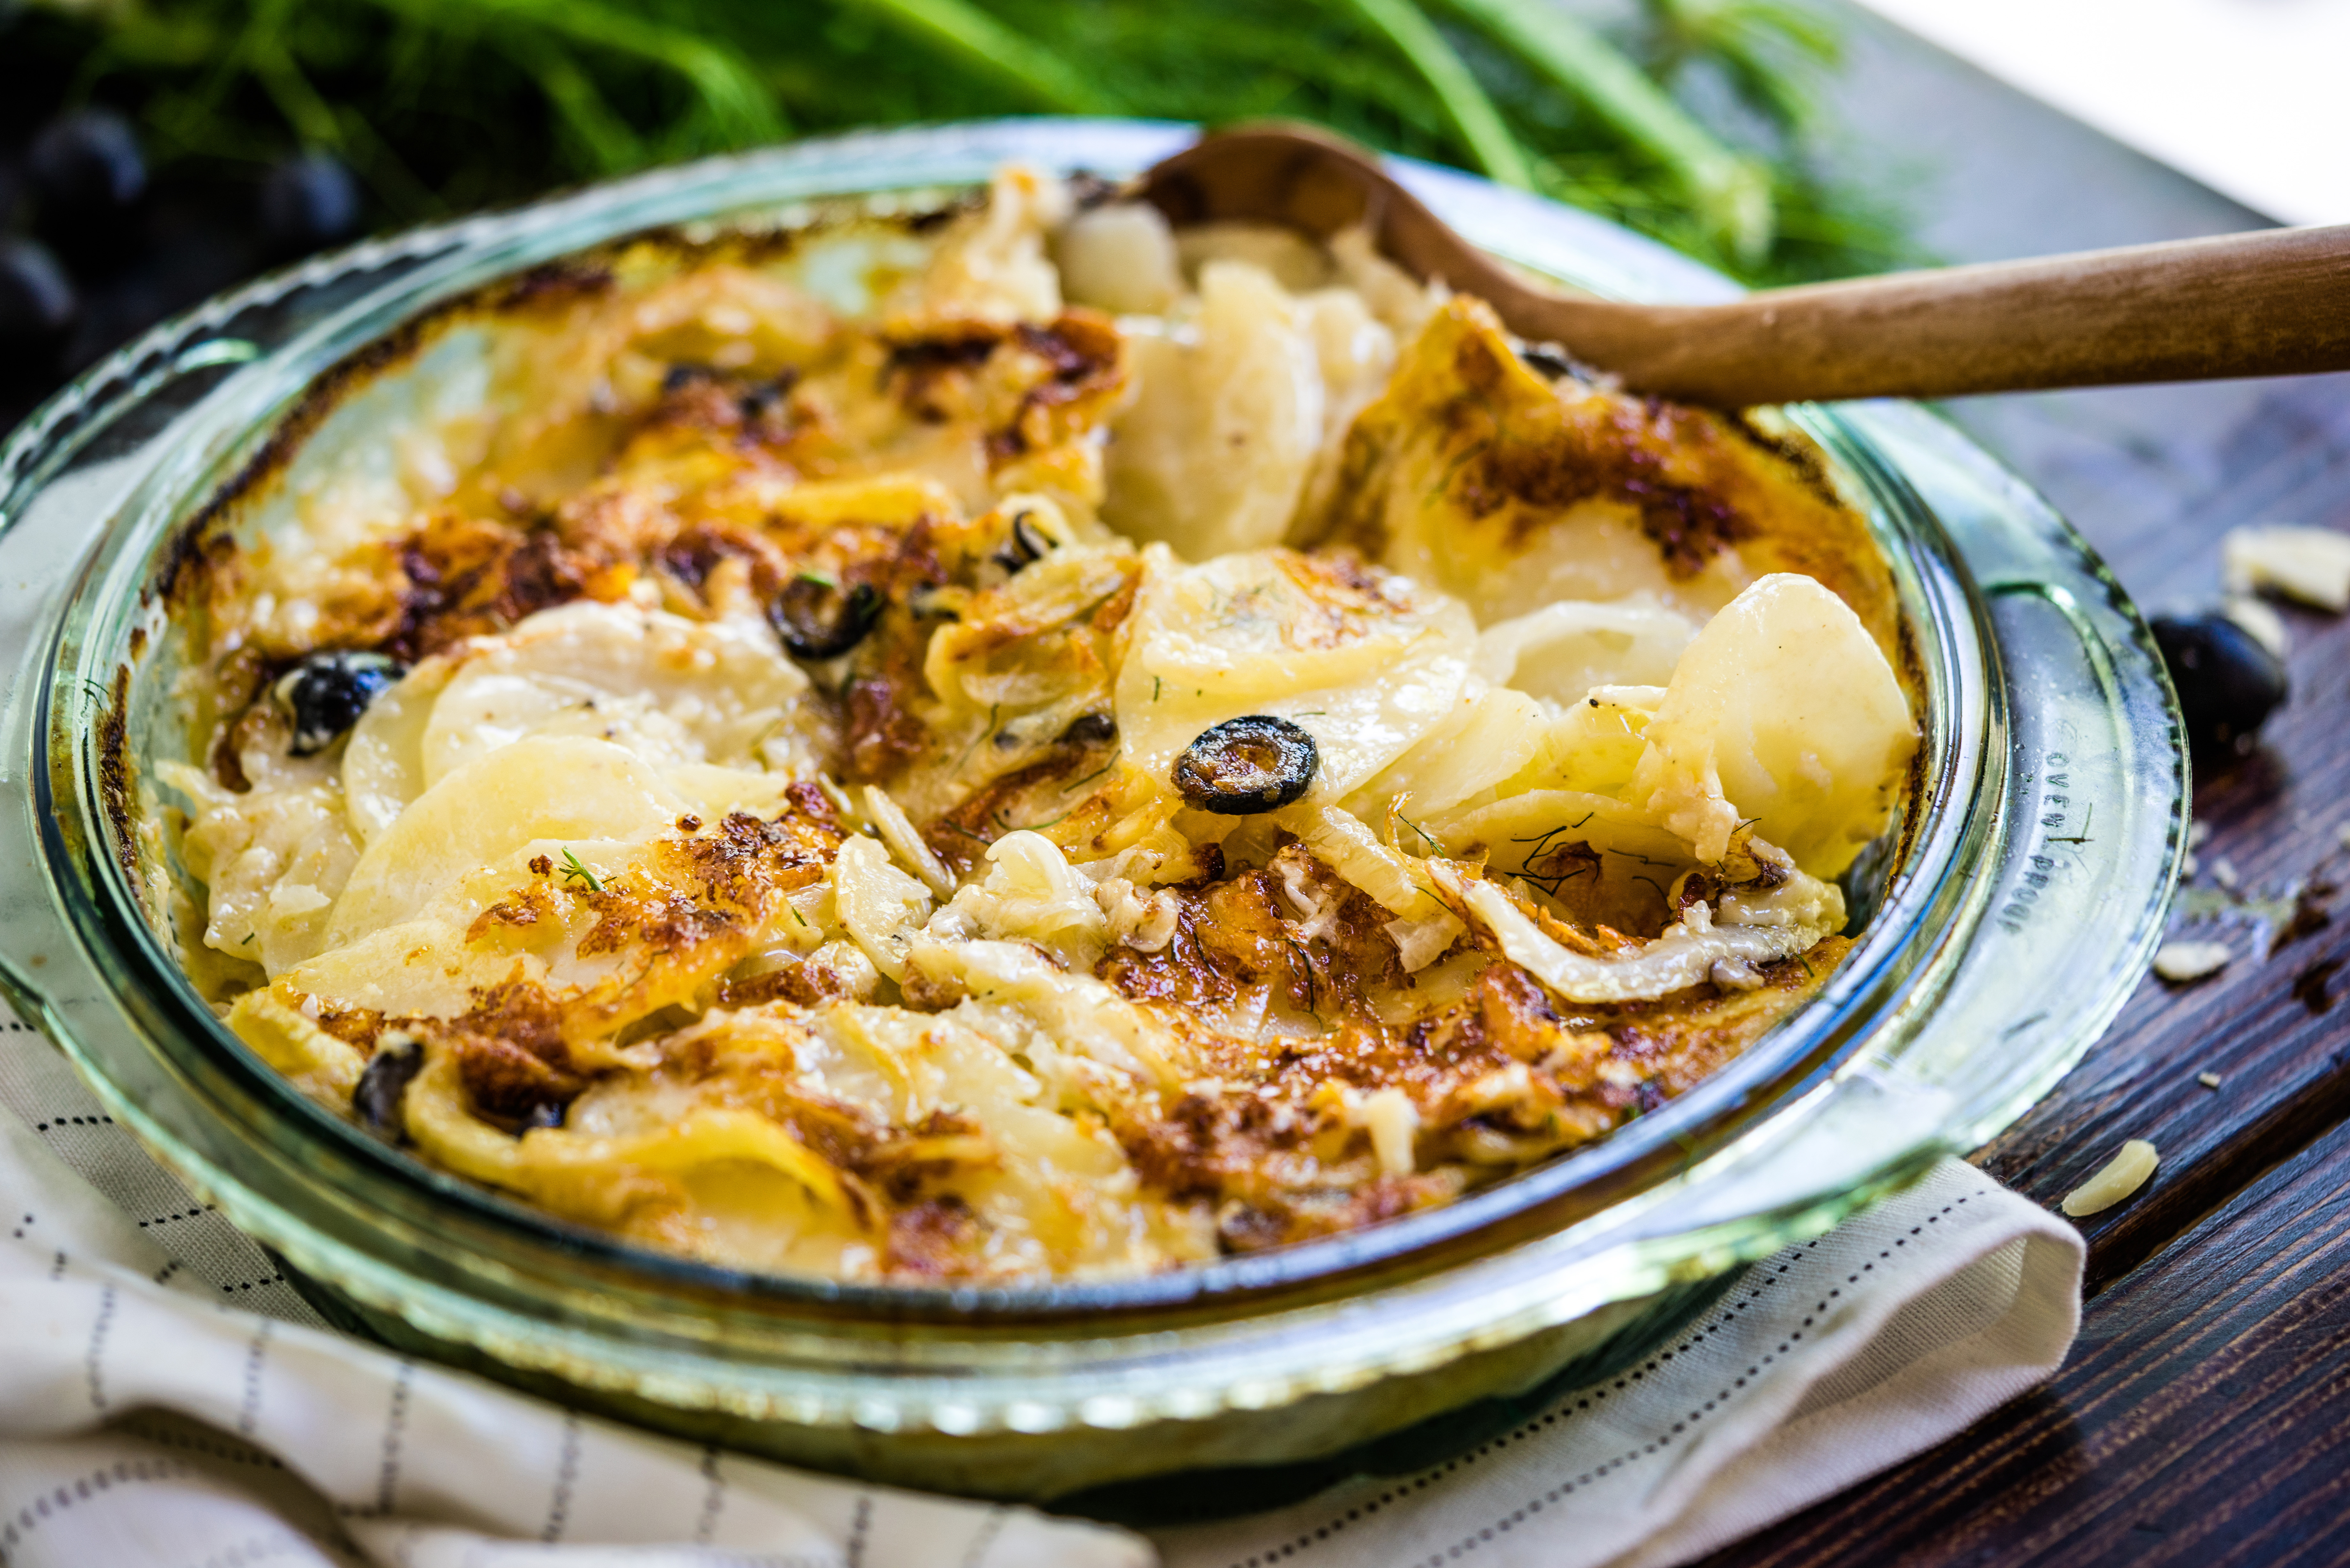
(2009, 923)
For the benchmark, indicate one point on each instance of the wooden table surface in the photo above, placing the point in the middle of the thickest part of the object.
(2204, 1416)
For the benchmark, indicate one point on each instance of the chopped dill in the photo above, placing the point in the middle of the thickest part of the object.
(993, 709)
(573, 871)
(1073, 788)
(1305, 965)
(1435, 843)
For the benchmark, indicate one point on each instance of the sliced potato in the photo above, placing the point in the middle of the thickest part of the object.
(562, 789)
(1119, 257)
(672, 691)
(1227, 417)
(1782, 713)
(1365, 664)
(1563, 651)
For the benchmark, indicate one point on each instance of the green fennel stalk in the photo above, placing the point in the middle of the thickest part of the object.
(444, 104)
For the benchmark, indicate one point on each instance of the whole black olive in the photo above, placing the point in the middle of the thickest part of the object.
(87, 170)
(306, 202)
(36, 299)
(817, 618)
(2229, 682)
(377, 1099)
(1245, 766)
(325, 693)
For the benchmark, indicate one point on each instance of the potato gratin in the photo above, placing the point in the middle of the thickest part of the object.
(1012, 744)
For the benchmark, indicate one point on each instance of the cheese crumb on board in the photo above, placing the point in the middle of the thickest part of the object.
(2208, 1080)
(2310, 565)
(2182, 961)
(2122, 1176)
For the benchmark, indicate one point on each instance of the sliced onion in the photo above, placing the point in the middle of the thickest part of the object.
(1789, 919)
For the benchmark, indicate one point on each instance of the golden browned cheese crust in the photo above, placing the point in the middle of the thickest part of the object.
(767, 851)
(1468, 434)
(1505, 1077)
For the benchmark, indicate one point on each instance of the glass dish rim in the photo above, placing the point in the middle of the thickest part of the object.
(1881, 946)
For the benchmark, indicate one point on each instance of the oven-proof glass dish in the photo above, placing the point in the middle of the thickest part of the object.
(2007, 931)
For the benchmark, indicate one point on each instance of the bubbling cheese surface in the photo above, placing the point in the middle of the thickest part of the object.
(771, 849)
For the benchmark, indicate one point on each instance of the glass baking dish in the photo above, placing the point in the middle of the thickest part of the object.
(2011, 922)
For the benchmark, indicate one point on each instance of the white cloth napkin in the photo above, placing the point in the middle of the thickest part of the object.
(167, 1401)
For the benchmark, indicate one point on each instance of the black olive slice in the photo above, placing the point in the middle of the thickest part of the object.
(817, 618)
(756, 401)
(378, 1098)
(325, 693)
(1245, 766)
(924, 602)
(1029, 544)
(1546, 360)
(2228, 681)
(1090, 730)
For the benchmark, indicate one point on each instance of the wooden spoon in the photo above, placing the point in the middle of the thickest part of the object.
(2272, 303)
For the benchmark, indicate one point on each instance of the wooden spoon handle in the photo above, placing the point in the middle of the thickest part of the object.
(2273, 303)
